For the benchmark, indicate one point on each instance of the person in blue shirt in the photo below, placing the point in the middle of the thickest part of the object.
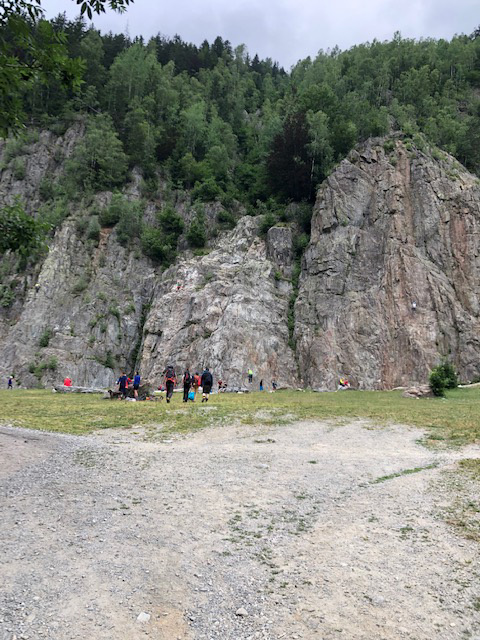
(136, 384)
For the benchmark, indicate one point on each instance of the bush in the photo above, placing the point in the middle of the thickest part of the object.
(46, 189)
(269, 220)
(7, 296)
(206, 191)
(226, 219)
(45, 338)
(156, 246)
(109, 216)
(19, 231)
(437, 382)
(129, 225)
(19, 169)
(93, 229)
(442, 377)
(81, 284)
(196, 235)
(449, 375)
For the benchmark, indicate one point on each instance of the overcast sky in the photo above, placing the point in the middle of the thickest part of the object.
(287, 30)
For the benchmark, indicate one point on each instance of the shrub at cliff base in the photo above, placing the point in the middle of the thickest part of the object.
(442, 377)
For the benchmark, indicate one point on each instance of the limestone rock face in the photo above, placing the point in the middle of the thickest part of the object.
(224, 310)
(89, 308)
(390, 280)
(42, 159)
(390, 229)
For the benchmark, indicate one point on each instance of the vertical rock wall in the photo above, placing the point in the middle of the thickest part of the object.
(389, 230)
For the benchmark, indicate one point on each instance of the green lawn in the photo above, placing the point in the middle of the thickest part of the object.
(455, 419)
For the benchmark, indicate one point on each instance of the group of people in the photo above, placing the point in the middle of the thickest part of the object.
(191, 382)
(125, 383)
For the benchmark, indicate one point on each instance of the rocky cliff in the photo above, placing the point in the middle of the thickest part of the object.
(390, 280)
(392, 226)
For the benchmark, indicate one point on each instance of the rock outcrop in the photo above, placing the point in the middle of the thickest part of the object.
(389, 284)
(225, 310)
(390, 280)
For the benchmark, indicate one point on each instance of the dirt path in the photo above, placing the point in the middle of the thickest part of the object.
(285, 523)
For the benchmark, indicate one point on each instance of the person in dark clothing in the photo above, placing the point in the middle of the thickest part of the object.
(207, 383)
(136, 384)
(123, 385)
(10, 382)
(170, 381)
(187, 383)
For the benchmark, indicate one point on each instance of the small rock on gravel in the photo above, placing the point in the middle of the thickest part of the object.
(143, 617)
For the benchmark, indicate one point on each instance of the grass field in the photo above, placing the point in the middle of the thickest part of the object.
(455, 419)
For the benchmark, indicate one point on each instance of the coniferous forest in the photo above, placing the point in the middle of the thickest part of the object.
(227, 126)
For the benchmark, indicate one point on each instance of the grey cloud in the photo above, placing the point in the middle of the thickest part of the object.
(287, 30)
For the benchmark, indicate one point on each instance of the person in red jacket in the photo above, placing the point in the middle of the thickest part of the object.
(67, 382)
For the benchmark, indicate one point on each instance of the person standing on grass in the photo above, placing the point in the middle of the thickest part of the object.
(123, 385)
(261, 385)
(250, 376)
(136, 384)
(10, 383)
(207, 383)
(170, 381)
(195, 383)
(187, 383)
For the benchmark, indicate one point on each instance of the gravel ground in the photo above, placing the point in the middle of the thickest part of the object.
(233, 533)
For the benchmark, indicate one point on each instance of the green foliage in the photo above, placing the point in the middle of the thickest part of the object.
(93, 229)
(19, 231)
(268, 220)
(156, 246)
(206, 191)
(109, 216)
(81, 284)
(19, 168)
(99, 161)
(46, 189)
(442, 377)
(437, 382)
(130, 225)
(227, 126)
(45, 338)
(196, 234)
(7, 296)
(114, 311)
(39, 368)
(160, 242)
(226, 219)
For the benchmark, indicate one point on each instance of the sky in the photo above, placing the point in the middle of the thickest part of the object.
(286, 30)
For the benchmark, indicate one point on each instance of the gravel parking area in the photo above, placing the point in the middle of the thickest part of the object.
(312, 530)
